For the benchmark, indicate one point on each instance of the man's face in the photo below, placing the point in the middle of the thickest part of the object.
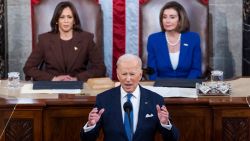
(129, 74)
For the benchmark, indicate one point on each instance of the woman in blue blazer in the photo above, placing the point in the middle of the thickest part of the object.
(174, 52)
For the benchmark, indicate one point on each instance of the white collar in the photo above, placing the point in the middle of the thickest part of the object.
(135, 93)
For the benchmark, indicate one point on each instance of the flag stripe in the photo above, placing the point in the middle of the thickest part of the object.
(132, 24)
(122, 24)
(107, 6)
(119, 31)
(140, 47)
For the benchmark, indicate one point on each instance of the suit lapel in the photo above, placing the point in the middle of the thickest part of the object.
(183, 49)
(165, 50)
(57, 51)
(74, 51)
(142, 111)
(118, 119)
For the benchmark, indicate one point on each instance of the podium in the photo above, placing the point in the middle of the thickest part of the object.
(216, 118)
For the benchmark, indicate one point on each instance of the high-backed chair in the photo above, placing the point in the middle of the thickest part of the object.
(197, 11)
(89, 11)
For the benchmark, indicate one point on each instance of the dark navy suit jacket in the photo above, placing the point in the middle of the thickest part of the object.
(112, 122)
(190, 59)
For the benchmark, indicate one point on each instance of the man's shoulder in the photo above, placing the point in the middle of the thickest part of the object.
(109, 93)
(150, 93)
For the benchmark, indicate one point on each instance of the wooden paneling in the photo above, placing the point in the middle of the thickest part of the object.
(59, 123)
(24, 125)
(198, 119)
(235, 129)
(193, 122)
(20, 129)
(232, 124)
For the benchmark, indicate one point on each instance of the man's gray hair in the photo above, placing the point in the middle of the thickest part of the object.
(129, 57)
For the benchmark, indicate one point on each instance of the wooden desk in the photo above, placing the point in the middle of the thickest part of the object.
(61, 118)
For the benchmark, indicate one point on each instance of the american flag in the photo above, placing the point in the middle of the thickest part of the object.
(121, 32)
(121, 29)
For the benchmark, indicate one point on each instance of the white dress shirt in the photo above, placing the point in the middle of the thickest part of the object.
(135, 100)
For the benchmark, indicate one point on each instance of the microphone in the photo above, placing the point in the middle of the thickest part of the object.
(127, 107)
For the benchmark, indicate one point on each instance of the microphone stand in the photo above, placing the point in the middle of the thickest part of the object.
(128, 108)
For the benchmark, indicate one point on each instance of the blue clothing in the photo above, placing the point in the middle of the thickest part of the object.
(111, 120)
(189, 65)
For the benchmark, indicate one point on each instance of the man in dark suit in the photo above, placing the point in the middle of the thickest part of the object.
(149, 113)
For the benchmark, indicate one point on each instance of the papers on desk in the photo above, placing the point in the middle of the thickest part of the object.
(163, 91)
(28, 88)
(173, 91)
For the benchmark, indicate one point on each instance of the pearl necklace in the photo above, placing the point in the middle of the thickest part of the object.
(173, 44)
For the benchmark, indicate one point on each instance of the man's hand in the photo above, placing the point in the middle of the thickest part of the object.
(163, 114)
(94, 116)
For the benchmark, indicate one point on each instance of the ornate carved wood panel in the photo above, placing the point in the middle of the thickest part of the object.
(25, 124)
(19, 130)
(231, 124)
(235, 129)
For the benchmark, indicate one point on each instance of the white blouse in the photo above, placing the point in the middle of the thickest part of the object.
(174, 58)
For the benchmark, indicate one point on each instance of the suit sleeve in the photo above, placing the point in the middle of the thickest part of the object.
(31, 67)
(96, 67)
(195, 71)
(93, 134)
(168, 135)
(151, 58)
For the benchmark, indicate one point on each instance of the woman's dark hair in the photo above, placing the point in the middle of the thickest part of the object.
(183, 25)
(57, 13)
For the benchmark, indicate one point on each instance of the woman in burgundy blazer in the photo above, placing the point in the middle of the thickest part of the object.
(67, 52)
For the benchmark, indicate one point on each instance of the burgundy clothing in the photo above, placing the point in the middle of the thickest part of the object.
(78, 57)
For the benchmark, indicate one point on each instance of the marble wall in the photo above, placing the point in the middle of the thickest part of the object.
(225, 35)
(19, 33)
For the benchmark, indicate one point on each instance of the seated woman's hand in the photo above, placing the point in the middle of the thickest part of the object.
(64, 78)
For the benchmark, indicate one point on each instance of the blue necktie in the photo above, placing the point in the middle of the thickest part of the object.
(128, 127)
